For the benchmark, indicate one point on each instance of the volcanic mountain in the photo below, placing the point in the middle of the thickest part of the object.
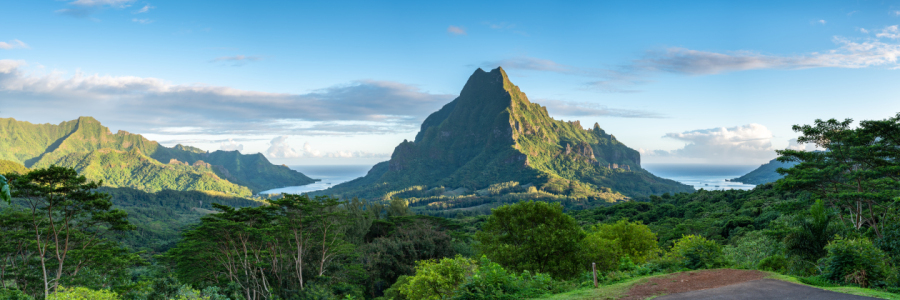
(492, 142)
(124, 159)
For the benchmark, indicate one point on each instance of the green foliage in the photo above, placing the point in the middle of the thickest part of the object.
(8, 166)
(858, 174)
(13, 294)
(492, 281)
(890, 243)
(61, 232)
(130, 160)
(4, 190)
(604, 252)
(775, 263)
(275, 251)
(395, 245)
(81, 293)
(748, 250)
(810, 233)
(696, 252)
(435, 280)
(160, 217)
(534, 236)
(855, 261)
(633, 239)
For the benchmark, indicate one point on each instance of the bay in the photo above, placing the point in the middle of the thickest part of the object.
(329, 176)
(707, 177)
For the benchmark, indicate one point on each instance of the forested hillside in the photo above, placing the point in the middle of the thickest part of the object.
(492, 144)
(765, 173)
(130, 160)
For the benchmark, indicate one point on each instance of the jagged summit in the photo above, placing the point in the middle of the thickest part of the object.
(493, 135)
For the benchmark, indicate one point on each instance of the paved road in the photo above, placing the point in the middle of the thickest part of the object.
(761, 289)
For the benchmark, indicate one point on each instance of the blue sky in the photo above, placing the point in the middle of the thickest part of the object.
(345, 82)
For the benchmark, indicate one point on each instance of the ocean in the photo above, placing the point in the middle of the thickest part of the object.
(707, 177)
(330, 175)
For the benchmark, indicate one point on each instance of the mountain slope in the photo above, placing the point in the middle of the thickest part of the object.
(36, 145)
(8, 166)
(492, 141)
(765, 173)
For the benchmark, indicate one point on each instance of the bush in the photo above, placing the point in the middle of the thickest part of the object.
(774, 263)
(438, 279)
(747, 251)
(492, 281)
(81, 293)
(855, 261)
(696, 252)
(634, 239)
(11, 294)
(603, 252)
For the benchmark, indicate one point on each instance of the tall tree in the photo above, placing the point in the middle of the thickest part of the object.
(534, 236)
(858, 172)
(67, 216)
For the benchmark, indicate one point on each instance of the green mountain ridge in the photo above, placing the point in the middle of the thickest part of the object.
(765, 173)
(492, 142)
(129, 160)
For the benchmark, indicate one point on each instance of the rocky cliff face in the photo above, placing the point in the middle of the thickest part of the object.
(493, 134)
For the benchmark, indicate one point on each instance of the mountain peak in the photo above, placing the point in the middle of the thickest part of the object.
(492, 136)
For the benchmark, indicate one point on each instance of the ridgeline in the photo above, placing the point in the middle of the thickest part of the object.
(130, 160)
(491, 144)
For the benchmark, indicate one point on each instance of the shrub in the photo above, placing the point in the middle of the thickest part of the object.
(696, 252)
(747, 251)
(438, 279)
(812, 231)
(603, 252)
(775, 263)
(82, 293)
(492, 281)
(11, 294)
(855, 261)
(634, 239)
(890, 242)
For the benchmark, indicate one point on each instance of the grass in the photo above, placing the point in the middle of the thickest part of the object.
(604, 292)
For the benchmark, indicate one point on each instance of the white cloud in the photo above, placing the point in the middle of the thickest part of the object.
(740, 144)
(895, 12)
(13, 45)
(144, 9)
(821, 22)
(793, 145)
(150, 105)
(142, 21)
(279, 148)
(849, 53)
(231, 145)
(456, 30)
(584, 109)
(891, 32)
